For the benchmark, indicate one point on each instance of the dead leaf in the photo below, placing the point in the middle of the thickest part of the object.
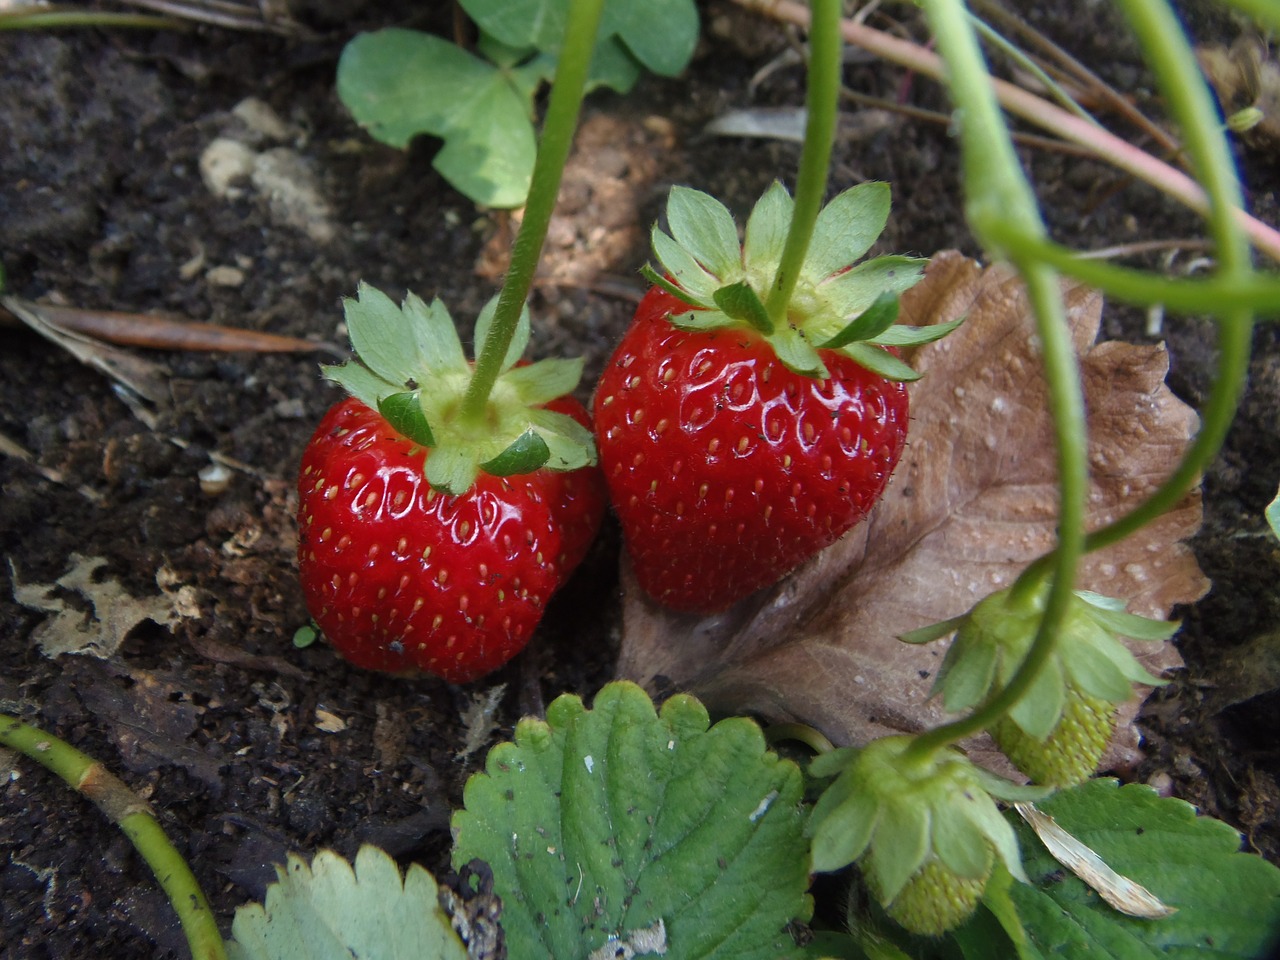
(971, 504)
(115, 612)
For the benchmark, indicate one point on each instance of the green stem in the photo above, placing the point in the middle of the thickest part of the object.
(582, 24)
(1019, 57)
(811, 737)
(821, 105)
(998, 192)
(51, 18)
(134, 817)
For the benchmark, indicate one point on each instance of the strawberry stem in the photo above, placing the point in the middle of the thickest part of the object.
(123, 807)
(581, 25)
(821, 102)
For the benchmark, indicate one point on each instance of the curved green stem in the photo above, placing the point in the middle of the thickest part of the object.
(997, 192)
(811, 737)
(821, 103)
(113, 797)
(582, 24)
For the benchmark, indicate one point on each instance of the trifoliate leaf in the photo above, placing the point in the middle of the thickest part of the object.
(380, 336)
(519, 339)
(703, 226)
(846, 229)
(739, 302)
(327, 911)
(527, 453)
(665, 51)
(766, 233)
(475, 107)
(600, 823)
(1228, 902)
(404, 412)
(872, 322)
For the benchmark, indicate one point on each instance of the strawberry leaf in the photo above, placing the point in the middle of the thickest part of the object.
(527, 453)
(328, 911)
(602, 823)
(404, 412)
(1228, 902)
(703, 227)
(846, 229)
(739, 302)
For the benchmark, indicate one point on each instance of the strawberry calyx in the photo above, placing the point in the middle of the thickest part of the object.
(412, 369)
(835, 305)
(896, 814)
(1088, 660)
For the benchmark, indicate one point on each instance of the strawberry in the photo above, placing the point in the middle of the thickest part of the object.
(431, 544)
(733, 448)
(1058, 731)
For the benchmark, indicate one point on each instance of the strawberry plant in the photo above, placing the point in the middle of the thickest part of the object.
(481, 104)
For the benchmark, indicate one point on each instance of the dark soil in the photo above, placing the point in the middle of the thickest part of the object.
(248, 747)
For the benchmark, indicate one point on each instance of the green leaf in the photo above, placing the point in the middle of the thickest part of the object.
(846, 229)
(879, 361)
(521, 23)
(766, 234)
(404, 412)
(1228, 902)
(329, 912)
(661, 34)
(599, 823)
(527, 453)
(612, 66)
(519, 339)
(872, 322)
(477, 109)
(740, 302)
(703, 226)
(381, 338)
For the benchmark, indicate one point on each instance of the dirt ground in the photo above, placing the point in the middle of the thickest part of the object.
(249, 747)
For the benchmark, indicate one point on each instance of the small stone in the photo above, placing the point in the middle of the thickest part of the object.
(225, 163)
(224, 277)
(214, 479)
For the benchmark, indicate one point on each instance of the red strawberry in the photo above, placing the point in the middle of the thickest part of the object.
(733, 451)
(398, 571)
(725, 468)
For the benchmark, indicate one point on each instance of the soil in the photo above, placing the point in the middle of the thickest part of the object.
(249, 747)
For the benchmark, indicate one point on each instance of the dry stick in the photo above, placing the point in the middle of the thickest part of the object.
(1028, 106)
(124, 808)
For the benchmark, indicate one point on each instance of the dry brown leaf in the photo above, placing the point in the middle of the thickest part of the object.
(971, 504)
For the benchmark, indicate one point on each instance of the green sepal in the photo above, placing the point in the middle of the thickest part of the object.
(962, 849)
(703, 227)
(852, 291)
(570, 445)
(903, 335)
(840, 840)
(966, 678)
(699, 321)
(797, 354)
(740, 302)
(361, 382)
(1110, 612)
(902, 843)
(377, 330)
(658, 280)
(833, 762)
(439, 348)
(1040, 708)
(766, 233)
(879, 361)
(544, 381)
(932, 632)
(404, 412)
(1093, 672)
(1007, 790)
(689, 274)
(872, 322)
(527, 453)
(846, 229)
(451, 470)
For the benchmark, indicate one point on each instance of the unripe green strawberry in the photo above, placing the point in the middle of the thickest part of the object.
(1071, 753)
(936, 899)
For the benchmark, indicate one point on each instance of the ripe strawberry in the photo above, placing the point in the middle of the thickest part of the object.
(734, 448)
(725, 468)
(429, 551)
